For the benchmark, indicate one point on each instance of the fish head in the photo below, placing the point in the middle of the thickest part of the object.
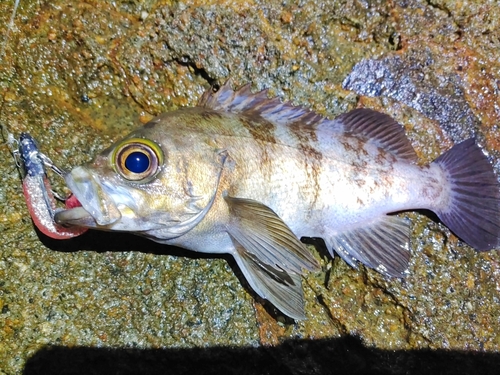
(156, 183)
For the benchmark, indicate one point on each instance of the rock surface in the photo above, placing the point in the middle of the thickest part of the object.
(79, 74)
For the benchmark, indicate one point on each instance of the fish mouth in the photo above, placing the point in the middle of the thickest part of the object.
(78, 216)
(97, 208)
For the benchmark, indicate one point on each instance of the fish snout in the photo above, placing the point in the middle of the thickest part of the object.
(98, 209)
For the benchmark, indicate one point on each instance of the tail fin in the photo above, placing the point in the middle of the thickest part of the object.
(473, 212)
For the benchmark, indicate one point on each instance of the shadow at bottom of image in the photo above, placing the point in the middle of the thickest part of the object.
(345, 355)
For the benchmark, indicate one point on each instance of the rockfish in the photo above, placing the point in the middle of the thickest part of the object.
(247, 175)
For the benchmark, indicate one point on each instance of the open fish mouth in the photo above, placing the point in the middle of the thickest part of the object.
(90, 204)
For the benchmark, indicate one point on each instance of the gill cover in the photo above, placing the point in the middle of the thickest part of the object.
(195, 205)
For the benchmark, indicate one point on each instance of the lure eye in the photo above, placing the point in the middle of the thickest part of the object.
(137, 159)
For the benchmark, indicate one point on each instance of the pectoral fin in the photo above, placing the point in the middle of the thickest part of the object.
(269, 254)
(382, 245)
(260, 231)
(283, 289)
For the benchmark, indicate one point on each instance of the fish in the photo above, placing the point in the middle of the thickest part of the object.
(38, 192)
(247, 175)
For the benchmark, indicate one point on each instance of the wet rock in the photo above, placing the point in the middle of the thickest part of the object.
(78, 75)
(412, 79)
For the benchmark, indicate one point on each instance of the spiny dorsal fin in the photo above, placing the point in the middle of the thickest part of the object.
(244, 101)
(379, 128)
(261, 232)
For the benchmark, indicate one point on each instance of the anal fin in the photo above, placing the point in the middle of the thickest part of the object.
(382, 244)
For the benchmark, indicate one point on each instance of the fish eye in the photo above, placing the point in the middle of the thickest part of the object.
(137, 159)
(137, 162)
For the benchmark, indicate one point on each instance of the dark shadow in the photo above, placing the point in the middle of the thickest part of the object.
(318, 243)
(100, 242)
(331, 356)
(430, 215)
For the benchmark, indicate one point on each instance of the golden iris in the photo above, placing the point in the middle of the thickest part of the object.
(137, 159)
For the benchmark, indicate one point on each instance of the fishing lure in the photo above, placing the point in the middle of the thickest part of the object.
(38, 192)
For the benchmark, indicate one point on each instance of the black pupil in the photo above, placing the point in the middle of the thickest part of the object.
(137, 162)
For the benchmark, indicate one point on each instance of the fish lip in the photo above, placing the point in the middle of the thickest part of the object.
(77, 216)
(98, 208)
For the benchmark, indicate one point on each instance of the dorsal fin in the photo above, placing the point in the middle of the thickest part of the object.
(379, 128)
(244, 101)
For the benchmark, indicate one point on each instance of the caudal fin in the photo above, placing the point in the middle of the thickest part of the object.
(473, 212)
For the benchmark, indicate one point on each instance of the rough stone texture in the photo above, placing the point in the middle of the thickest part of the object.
(79, 74)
